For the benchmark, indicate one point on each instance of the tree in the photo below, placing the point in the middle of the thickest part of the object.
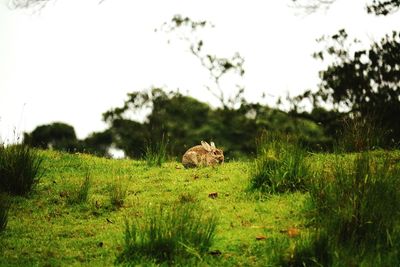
(364, 82)
(217, 67)
(184, 122)
(181, 119)
(61, 136)
(97, 143)
(58, 135)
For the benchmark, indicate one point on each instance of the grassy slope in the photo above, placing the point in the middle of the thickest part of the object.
(44, 229)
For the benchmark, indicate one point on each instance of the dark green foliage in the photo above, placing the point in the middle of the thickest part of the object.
(186, 121)
(58, 135)
(366, 82)
(156, 154)
(20, 169)
(97, 143)
(81, 194)
(61, 136)
(280, 165)
(4, 207)
(169, 235)
(179, 118)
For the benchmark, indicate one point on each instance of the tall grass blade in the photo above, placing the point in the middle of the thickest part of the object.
(169, 235)
(20, 169)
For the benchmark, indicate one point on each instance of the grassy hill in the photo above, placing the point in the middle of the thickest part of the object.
(78, 212)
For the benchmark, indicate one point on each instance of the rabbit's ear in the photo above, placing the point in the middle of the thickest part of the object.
(206, 146)
(213, 145)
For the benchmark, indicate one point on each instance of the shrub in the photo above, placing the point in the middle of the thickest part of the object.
(280, 165)
(4, 207)
(180, 233)
(20, 169)
(81, 194)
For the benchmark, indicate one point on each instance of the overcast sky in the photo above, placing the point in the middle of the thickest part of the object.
(76, 59)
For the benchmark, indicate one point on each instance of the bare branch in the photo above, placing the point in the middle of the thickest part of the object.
(311, 6)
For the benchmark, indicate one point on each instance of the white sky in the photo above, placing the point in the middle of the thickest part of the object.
(76, 59)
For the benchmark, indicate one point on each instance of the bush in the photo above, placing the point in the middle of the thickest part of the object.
(4, 207)
(156, 154)
(280, 165)
(358, 208)
(20, 169)
(172, 235)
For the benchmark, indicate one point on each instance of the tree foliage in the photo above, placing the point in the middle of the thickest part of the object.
(185, 121)
(57, 135)
(61, 136)
(365, 82)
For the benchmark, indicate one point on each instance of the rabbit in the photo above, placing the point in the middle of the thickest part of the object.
(202, 155)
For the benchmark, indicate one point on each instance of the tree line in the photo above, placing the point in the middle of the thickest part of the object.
(182, 121)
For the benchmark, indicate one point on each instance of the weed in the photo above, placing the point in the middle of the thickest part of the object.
(4, 207)
(280, 165)
(169, 235)
(81, 194)
(156, 153)
(20, 169)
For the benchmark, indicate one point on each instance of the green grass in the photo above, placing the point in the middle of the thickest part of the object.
(4, 207)
(169, 234)
(357, 209)
(80, 194)
(20, 169)
(117, 195)
(156, 152)
(254, 229)
(280, 165)
(45, 229)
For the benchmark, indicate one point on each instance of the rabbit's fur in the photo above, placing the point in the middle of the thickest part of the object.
(203, 155)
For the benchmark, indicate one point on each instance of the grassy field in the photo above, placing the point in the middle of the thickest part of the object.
(62, 224)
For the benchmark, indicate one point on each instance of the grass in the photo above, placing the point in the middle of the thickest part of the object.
(80, 194)
(117, 195)
(280, 165)
(254, 229)
(169, 234)
(4, 207)
(45, 229)
(20, 169)
(357, 211)
(156, 153)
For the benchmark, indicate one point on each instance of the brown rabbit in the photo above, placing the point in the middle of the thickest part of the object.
(203, 155)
